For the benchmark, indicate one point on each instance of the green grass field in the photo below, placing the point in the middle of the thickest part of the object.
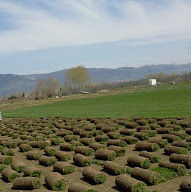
(169, 101)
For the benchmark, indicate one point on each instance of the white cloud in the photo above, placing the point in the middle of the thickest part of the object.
(79, 22)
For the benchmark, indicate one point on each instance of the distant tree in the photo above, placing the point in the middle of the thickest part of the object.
(46, 87)
(77, 78)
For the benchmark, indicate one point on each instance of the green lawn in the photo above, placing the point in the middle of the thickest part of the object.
(169, 101)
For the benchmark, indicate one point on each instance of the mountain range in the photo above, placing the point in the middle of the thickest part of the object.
(12, 84)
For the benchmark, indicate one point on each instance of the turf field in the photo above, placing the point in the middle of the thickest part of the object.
(168, 101)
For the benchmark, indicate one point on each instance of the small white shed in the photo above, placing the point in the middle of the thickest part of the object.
(0, 116)
(152, 82)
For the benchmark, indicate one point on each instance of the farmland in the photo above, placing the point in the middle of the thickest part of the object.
(167, 101)
(94, 154)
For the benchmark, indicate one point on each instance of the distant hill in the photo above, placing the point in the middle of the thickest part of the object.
(10, 83)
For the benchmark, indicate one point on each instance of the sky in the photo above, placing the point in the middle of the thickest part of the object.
(38, 36)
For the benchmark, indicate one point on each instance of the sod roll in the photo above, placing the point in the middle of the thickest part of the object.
(64, 168)
(18, 165)
(152, 157)
(50, 151)
(81, 160)
(47, 161)
(182, 159)
(182, 143)
(28, 183)
(93, 176)
(146, 146)
(84, 150)
(55, 181)
(78, 187)
(9, 174)
(114, 168)
(141, 135)
(130, 139)
(169, 149)
(138, 161)
(62, 156)
(96, 146)
(129, 184)
(5, 159)
(105, 154)
(120, 151)
(117, 142)
(33, 155)
(147, 176)
(161, 142)
(67, 147)
(25, 147)
(33, 171)
(179, 168)
(101, 138)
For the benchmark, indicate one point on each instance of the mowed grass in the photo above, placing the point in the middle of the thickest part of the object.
(169, 101)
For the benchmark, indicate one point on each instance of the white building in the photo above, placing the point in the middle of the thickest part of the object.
(0, 116)
(152, 82)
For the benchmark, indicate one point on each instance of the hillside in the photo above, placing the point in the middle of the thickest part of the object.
(10, 83)
(169, 101)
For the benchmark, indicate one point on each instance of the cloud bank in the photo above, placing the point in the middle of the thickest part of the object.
(42, 24)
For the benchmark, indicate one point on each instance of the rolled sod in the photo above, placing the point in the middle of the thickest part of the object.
(42, 144)
(50, 151)
(78, 187)
(33, 171)
(120, 151)
(55, 181)
(8, 152)
(141, 135)
(185, 144)
(2, 167)
(128, 132)
(63, 168)
(28, 183)
(87, 141)
(147, 176)
(114, 168)
(105, 154)
(152, 133)
(179, 168)
(34, 144)
(117, 142)
(81, 160)
(5, 159)
(152, 157)
(138, 161)
(84, 150)
(185, 185)
(130, 139)
(96, 146)
(146, 146)
(47, 161)
(101, 138)
(93, 176)
(161, 142)
(87, 134)
(113, 135)
(62, 156)
(25, 147)
(171, 138)
(164, 130)
(169, 149)
(33, 155)
(18, 166)
(69, 138)
(129, 184)
(67, 147)
(182, 159)
(9, 174)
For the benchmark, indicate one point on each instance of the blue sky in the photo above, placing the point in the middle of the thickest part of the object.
(38, 36)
